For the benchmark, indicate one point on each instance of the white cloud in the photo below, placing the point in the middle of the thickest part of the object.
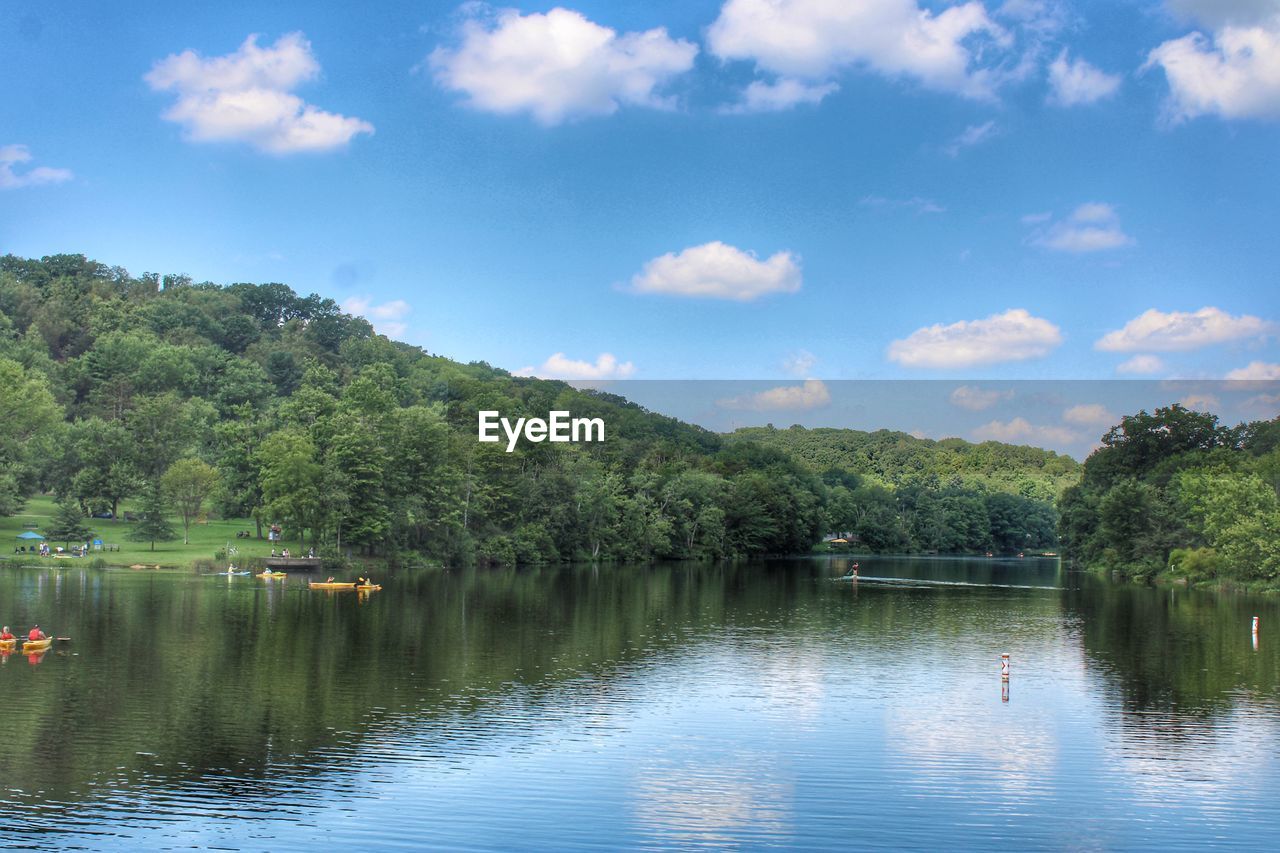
(1256, 370)
(246, 96)
(1201, 402)
(1267, 404)
(1235, 76)
(1075, 82)
(1090, 414)
(387, 318)
(812, 394)
(1216, 13)
(718, 271)
(799, 363)
(915, 203)
(977, 399)
(974, 134)
(1182, 330)
(1091, 227)
(558, 366)
(12, 155)
(782, 94)
(1142, 365)
(815, 39)
(559, 65)
(1014, 335)
(1022, 431)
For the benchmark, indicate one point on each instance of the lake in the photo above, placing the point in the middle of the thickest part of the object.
(743, 706)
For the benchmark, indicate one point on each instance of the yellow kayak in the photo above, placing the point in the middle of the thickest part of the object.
(369, 587)
(8, 645)
(31, 646)
(273, 574)
(327, 585)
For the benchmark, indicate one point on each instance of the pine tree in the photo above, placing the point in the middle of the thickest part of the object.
(153, 522)
(68, 523)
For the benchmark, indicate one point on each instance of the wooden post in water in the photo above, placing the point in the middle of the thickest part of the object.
(1004, 665)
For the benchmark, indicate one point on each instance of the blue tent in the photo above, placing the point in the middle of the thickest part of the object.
(29, 534)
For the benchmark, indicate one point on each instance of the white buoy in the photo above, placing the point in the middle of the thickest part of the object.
(1004, 665)
(1255, 626)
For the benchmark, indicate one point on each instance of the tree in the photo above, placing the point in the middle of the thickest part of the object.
(153, 525)
(68, 523)
(188, 482)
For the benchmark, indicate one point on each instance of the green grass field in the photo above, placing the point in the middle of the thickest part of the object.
(206, 539)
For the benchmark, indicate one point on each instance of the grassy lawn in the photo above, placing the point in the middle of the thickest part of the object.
(205, 539)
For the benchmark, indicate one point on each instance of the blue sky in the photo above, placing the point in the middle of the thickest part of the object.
(763, 189)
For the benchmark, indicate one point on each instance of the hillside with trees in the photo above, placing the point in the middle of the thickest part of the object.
(1175, 492)
(251, 401)
(898, 493)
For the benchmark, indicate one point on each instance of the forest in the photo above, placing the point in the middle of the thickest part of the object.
(1173, 493)
(181, 399)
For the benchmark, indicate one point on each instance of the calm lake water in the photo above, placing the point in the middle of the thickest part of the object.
(640, 707)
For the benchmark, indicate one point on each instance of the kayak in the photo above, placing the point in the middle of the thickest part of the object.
(232, 574)
(8, 645)
(327, 585)
(36, 645)
(273, 574)
(368, 587)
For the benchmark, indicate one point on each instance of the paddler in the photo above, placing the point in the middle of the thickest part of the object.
(35, 635)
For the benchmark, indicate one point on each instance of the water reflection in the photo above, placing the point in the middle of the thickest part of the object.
(640, 706)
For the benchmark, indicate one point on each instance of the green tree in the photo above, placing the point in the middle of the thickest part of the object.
(153, 522)
(188, 483)
(68, 523)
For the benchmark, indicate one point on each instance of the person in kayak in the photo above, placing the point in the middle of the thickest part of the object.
(6, 634)
(35, 634)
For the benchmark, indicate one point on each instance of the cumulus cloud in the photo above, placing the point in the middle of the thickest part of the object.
(1076, 82)
(974, 134)
(718, 271)
(1022, 431)
(559, 366)
(812, 394)
(558, 65)
(1256, 370)
(387, 318)
(1090, 414)
(1216, 13)
(799, 363)
(1182, 330)
(13, 155)
(782, 94)
(1014, 335)
(977, 399)
(1234, 75)
(1142, 365)
(813, 40)
(246, 96)
(1201, 402)
(1091, 227)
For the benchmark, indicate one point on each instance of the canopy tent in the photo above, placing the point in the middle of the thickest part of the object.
(29, 534)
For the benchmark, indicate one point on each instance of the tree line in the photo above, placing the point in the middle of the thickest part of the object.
(251, 401)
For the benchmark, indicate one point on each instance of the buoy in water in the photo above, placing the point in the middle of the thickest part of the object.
(1004, 665)
(1255, 626)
